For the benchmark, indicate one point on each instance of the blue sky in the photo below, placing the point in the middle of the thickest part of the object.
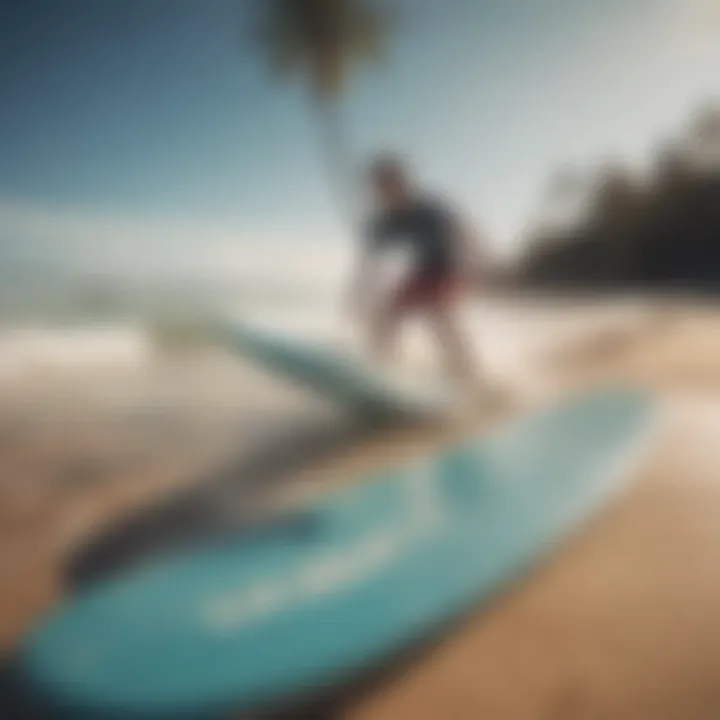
(143, 134)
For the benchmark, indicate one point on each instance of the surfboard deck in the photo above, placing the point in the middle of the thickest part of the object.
(341, 585)
(337, 375)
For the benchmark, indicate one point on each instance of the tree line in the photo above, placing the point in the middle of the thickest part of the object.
(660, 231)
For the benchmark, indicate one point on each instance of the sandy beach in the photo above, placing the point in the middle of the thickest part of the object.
(621, 623)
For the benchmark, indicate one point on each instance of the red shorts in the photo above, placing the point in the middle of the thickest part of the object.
(426, 290)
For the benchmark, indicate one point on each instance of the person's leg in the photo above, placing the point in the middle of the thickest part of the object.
(386, 318)
(457, 354)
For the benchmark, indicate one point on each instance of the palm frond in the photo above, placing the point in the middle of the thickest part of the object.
(323, 38)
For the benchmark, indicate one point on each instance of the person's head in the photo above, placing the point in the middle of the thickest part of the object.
(390, 181)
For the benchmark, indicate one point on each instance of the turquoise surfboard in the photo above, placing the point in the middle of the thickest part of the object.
(343, 584)
(335, 374)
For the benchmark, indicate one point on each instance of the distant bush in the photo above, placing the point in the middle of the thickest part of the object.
(659, 233)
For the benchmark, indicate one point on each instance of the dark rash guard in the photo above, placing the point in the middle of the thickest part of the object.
(426, 229)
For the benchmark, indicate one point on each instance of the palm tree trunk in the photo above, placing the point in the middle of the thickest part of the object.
(338, 166)
(343, 188)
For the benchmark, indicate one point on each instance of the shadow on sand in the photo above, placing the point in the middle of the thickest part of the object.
(220, 505)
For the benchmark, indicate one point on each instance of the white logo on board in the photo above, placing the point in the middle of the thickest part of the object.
(338, 570)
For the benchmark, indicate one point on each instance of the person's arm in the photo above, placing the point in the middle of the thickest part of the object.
(471, 251)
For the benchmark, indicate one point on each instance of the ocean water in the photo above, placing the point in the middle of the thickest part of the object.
(510, 337)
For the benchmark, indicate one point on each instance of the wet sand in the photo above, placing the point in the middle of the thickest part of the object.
(621, 623)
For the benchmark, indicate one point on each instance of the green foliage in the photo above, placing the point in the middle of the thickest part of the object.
(322, 40)
(660, 233)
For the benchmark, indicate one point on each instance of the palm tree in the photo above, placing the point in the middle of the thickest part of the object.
(705, 138)
(323, 40)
